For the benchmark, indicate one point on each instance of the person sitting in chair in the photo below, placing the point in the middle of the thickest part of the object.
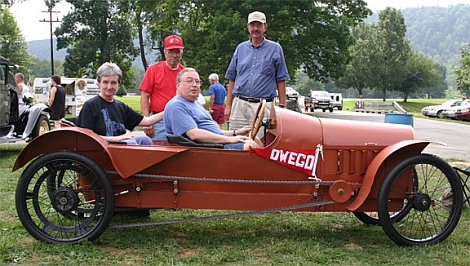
(183, 115)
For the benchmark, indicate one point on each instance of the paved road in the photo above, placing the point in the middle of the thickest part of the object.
(455, 136)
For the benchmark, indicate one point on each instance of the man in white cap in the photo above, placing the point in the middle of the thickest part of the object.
(159, 85)
(257, 69)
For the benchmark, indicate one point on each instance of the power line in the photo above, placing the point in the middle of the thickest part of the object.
(50, 11)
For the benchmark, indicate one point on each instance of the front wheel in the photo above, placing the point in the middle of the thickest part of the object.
(41, 126)
(440, 114)
(64, 197)
(434, 191)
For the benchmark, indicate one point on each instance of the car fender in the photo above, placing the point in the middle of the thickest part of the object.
(33, 115)
(86, 141)
(376, 170)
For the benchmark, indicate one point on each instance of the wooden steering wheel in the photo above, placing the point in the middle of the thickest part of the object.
(257, 119)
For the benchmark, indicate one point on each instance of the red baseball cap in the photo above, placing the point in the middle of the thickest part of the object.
(173, 42)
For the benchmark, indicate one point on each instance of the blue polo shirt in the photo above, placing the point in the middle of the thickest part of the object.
(182, 115)
(219, 91)
(256, 69)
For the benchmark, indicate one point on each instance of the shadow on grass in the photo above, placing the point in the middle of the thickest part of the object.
(312, 228)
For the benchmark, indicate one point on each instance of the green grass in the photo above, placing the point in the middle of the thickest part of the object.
(270, 239)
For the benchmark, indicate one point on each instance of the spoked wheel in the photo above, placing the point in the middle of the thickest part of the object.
(434, 192)
(64, 197)
(257, 120)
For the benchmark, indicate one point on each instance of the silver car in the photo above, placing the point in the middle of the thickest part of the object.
(438, 110)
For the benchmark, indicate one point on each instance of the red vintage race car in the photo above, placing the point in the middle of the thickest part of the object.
(69, 192)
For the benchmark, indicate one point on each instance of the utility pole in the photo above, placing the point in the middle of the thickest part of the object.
(50, 11)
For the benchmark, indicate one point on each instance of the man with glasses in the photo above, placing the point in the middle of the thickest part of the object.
(257, 69)
(185, 116)
(158, 85)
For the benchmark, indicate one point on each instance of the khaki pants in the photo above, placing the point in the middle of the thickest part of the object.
(243, 113)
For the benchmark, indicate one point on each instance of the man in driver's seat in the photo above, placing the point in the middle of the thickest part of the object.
(184, 116)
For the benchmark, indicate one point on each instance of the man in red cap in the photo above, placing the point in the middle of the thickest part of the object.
(159, 84)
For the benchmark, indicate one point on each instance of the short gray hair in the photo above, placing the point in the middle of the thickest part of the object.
(213, 76)
(180, 75)
(109, 69)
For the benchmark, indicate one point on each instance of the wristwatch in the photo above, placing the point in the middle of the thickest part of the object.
(282, 105)
(234, 132)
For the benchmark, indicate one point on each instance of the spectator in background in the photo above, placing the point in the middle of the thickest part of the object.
(217, 100)
(23, 88)
(57, 101)
(158, 85)
(256, 70)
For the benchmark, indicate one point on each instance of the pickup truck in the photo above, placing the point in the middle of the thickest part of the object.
(320, 100)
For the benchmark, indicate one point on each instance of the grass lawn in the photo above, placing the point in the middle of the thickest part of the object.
(270, 239)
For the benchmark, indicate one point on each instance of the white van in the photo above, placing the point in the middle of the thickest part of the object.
(337, 100)
(78, 91)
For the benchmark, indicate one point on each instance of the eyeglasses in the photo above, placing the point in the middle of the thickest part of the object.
(190, 81)
(174, 52)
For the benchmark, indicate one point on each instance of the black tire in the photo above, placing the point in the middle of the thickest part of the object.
(324, 110)
(440, 114)
(372, 218)
(64, 197)
(368, 217)
(434, 212)
(340, 108)
(331, 109)
(41, 126)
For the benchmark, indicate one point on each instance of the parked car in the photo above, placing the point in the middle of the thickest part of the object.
(320, 100)
(463, 114)
(337, 100)
(13, 126)
(291, 93)
(450, 111)
(438, 110)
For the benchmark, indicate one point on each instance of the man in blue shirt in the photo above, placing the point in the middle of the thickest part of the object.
(183, 115)
(217, 100)
(257, 68)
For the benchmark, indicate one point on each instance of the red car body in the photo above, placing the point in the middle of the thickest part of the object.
(329, 165)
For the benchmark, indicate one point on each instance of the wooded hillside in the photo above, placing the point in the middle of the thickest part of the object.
(436, 31)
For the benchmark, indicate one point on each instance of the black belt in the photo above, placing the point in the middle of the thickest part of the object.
(253, 100)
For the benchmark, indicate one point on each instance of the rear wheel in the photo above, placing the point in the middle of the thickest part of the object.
(434, 192)
(64, 197)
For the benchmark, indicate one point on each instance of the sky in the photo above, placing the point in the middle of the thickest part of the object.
(29, 13)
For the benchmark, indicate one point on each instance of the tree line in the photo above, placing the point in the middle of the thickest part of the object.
(324, 40)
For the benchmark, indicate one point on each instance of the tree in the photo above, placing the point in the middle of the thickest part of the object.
(388, 51)
(358, 70)
(96, 32)
(315, 35)
(463, 71)
(420, 73)
(13, 45)
(439, 90)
